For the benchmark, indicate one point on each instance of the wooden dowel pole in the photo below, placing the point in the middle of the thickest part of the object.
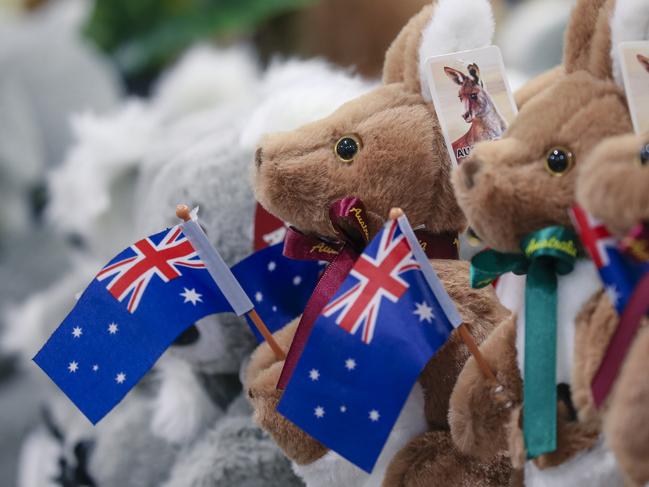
(265, 332)
(183, 212)
(475, 351)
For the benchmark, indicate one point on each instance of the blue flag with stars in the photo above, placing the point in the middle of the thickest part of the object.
(139, 303)
(369, 346)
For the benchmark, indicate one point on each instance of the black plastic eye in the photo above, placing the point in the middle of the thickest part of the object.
(644, 156)
(347, 147)
(559, 161)
(474, 96)
(188, 337)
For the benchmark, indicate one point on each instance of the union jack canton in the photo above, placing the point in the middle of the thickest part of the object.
(368, 347)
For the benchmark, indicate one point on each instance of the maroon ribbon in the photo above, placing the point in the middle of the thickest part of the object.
(349, 218)
(635, 245)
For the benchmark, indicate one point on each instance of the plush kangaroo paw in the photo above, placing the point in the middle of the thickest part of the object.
(262, 376)
(480, 410)
(433, 459)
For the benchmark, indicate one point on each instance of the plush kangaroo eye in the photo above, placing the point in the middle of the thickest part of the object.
(347, 147)
(474, 96)
(644, 156)
(559, 161)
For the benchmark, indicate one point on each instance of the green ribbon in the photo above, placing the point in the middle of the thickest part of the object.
(545, 254)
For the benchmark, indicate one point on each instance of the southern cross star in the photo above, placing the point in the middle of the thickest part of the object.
(424, 312)
(191, 296)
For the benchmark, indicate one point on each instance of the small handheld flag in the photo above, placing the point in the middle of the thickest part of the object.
(390, 306)
(626, 280)
(133, 310)
(602, 247)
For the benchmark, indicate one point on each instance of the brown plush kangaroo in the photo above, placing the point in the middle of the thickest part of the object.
(514, 186)
(612, 186)
(387, 149)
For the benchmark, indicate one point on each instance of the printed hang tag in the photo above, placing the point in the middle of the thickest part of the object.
(472, 98)
(634, 60)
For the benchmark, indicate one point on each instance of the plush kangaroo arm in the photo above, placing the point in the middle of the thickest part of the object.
(480, 411)
(481, 311)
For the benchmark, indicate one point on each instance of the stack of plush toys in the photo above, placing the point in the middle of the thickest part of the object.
(570, 143)
(507, 189)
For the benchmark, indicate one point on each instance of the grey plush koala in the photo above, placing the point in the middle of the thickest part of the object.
(191, 151)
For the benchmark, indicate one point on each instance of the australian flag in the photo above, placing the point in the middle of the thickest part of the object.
(616, 272)
(148, 295)
(278, 286)
(368, 347)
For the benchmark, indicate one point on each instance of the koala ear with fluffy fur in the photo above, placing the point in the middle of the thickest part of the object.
(630, 22)
(440, 28)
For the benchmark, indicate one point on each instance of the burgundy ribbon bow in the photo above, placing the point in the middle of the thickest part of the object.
(635, 246)
(349, 219)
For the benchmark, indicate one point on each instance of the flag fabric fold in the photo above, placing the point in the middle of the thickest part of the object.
(368, 347)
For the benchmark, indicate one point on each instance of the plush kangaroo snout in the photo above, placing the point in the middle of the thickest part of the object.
(613, 182)
(385, 148)
(525, 181)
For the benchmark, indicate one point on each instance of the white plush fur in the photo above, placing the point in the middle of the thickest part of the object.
(30, 323)
(573, 291)
(207, 77)
(593, 468)
(332, 469)
(630, 22)
(455, 26)
(596, 467)
(108, 148)
(38, 460)
(182, 407)
(295, 92)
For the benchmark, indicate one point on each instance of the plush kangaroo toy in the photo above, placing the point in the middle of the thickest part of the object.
(385, 148)
(510, 189)
(612, 186)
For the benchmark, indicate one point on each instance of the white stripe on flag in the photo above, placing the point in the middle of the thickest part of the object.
(217, 268)
(445, 301)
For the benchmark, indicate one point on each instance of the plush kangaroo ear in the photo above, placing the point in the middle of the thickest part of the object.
(455, 75)
(444, 27)
(644, 61)
(630, 22)
(580, 33)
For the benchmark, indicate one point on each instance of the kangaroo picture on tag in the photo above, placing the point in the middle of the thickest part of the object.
(634, 59)
(472, 98)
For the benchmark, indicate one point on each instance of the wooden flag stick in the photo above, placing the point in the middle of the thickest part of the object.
(184, 213)
(396, 213)
(475, 351)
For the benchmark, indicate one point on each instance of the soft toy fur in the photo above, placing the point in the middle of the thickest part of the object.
(506, 192)
(402, 162)
(612, 186)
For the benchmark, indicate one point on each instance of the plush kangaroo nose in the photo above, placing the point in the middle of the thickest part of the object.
(258, 157)
(468, 170)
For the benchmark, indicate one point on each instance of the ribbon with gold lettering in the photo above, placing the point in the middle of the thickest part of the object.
(636, 247)
(350, 221)
(545, 254)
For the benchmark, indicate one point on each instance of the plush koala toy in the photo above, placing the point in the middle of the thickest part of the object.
(221, 445)
(520, 184)
(387, 149)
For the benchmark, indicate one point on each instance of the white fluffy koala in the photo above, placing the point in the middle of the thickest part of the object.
(193, 143)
